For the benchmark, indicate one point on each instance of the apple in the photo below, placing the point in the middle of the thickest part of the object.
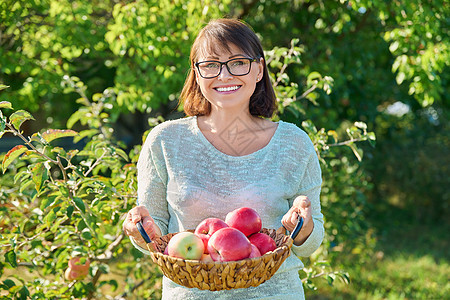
(246, 219)
(206, 258)
(79, 264)
(70, 274)
(255, 252)
(78, 268)
(229, 244)
(186, 245)
(207, 227)
(263, 242)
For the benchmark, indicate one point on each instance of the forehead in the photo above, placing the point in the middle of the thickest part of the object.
(214, 48)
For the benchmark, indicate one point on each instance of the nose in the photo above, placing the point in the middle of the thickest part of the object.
(224, 74)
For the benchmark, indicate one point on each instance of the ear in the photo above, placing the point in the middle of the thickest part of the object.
(196, 75)
(260, 69)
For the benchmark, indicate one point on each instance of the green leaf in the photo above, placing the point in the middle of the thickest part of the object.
(75, 117)
(11, 258)
(24, 293)
(53, 134)
(361, 125)
(19, 117)
(309, 127)
(8, 283)
(47, 201)
(12, 155)
(2, 124)
(69, 211)
(51, 216)
(40, 175)
(5, 104)
(330, 280)
(121, 153)
(372, 138)
(2, 87)
(81, 225)
(64, 191)
(24, 185)
(86, 235)
(80, 204)
(22, 175)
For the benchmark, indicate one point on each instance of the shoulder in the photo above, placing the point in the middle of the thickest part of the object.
(294, 136)
(169, 130)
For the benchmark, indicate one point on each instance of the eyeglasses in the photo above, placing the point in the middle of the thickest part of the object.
(236, 67)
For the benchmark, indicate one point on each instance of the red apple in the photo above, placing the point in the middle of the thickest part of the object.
(79, 264)
(255, 252)
(70, 274)
(78, 268)
(245, 219)
(263, 242)
(207, 227)
(205, 239)
(229, 244)
(186, 245)
(206, 258)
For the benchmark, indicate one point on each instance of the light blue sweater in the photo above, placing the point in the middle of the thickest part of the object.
(183, 179)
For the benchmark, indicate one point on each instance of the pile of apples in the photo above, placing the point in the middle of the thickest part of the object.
(236, 238)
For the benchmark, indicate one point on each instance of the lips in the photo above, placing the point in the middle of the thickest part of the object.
(230, 88)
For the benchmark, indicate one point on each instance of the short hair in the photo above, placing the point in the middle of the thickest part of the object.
(217, 35)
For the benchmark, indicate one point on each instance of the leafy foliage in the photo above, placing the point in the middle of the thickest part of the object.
(80, 67)
(62, 203)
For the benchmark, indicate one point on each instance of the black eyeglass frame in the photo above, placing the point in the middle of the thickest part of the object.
(226, 65)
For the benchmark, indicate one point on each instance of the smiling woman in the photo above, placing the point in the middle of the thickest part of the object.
(232, 40)
(227, 154)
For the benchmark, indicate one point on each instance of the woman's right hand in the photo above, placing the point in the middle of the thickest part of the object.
(135, 215)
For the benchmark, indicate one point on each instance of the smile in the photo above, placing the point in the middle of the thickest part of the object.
(228, 88)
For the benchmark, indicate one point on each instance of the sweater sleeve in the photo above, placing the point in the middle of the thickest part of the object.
(310, 186)
(152, 180)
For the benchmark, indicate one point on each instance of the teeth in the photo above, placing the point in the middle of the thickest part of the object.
(227, 89)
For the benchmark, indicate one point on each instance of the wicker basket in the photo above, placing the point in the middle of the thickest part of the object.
(216, 276)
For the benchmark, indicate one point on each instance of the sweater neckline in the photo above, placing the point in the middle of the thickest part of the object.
(214, 150)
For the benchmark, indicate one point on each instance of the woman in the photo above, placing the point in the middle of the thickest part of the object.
(226, 154)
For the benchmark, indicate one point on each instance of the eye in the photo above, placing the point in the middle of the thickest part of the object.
(239, 62)
(210, 65)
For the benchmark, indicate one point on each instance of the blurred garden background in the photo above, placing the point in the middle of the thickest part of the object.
(82, 82)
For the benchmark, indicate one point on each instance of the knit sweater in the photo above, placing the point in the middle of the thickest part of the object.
(183, 179)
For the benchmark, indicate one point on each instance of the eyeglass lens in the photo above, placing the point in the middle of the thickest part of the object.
(237, 67)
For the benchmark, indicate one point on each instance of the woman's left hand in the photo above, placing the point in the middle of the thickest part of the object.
(302, 207)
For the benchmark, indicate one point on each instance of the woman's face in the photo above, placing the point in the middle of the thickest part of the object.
(227, 91)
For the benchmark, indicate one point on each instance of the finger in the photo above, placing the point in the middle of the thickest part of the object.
(137, 213)
(305, 203)
(285, 222)
(294, 218)
(301, 201)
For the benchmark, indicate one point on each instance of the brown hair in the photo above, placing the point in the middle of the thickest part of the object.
(219, 35)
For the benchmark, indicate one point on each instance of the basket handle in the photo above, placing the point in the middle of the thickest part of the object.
(297, 228)
(150, 244)
(142, 231)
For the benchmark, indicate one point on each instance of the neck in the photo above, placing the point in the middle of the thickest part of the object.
(219, 120)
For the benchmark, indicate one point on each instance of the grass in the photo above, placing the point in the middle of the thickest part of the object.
(411, 262)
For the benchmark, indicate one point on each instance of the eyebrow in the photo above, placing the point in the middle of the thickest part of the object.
(230, 57)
